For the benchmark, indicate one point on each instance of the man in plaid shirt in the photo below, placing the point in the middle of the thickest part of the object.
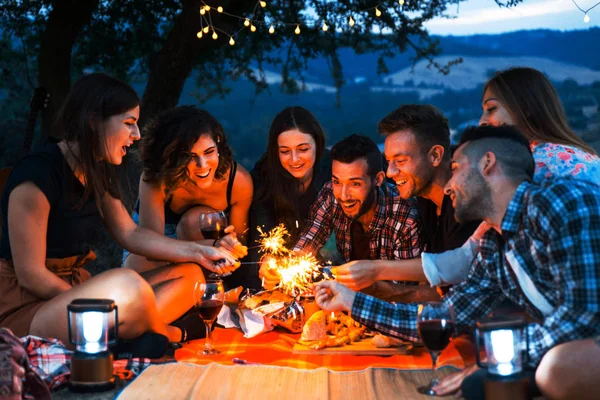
(372, 224)
(543, 252)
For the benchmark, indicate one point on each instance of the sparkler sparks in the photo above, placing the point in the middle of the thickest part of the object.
(296, 273)
(273, 242)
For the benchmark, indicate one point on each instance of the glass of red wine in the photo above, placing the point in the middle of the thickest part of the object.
(208, 300)
(212, 226)
(435, 322)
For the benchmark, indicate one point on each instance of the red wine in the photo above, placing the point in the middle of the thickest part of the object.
(212, 233)
(436, 333)
(209, 309)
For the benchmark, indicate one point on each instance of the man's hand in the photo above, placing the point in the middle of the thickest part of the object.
(219, 261)
(230, 243)
(451, 383)
(333, 296)
(270, 277)
(356, 274)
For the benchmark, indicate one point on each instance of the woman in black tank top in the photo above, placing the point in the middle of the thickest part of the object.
(187, 169)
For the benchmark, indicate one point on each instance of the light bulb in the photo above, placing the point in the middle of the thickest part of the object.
(92, 326)
(325, 27)
(297, 30)
(253, 28)
(199, 34)
(503, 345)
(351, 21)
(205, 29)
(263, 4)
(215, 36)
(220, 9)
(207, 8)
(377, 12)
(246, 22)
(586, 18)
(401, 2)
(231, 41)
(202, 12)
(271, 30)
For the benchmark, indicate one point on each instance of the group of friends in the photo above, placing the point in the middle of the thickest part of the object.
(510, 218)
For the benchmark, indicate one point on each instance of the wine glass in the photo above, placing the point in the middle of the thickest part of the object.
(435, 322)
(212, 226)
(208, 300)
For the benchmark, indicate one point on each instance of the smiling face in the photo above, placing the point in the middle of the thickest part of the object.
(120, 132)
(297, 153)
(407, 165)
(204, 161)
(470, 193)
(494, 113)
(353, 189)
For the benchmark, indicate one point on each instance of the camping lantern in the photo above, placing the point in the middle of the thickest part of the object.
(503, 341)
(92, 362)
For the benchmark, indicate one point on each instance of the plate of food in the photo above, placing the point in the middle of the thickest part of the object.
(337, 333)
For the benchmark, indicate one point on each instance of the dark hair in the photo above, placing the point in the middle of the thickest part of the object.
(280, 185)
(355, 147)
(508, 144)
(168, 139)
(427, 124)
(534, 106)
(92, 100)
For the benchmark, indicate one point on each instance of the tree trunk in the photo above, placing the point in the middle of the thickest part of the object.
(172, 65)
(65, 22)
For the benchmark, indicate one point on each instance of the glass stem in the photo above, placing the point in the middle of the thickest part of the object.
(208, 342)
(434, 358)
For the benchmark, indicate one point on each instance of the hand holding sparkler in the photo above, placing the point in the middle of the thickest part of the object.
(268, 272)
(230, 243)
(333, 296)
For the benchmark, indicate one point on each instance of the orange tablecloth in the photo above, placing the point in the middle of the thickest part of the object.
(275, 348)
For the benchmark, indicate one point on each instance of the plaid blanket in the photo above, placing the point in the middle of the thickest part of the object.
(51, 360)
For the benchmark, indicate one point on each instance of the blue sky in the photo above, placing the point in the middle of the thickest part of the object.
(484, 16)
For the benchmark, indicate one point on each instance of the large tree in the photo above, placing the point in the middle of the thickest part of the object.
(156, 40)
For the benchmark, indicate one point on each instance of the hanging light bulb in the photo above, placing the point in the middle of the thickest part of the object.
(220, 9)
(586, 18)
(253, 28)
(202, 11)
(401, 2)
(271, 30)
(207, 8)
(246, 22)
(297, 30)
(351, 21)
(377, 12)
(231, 41)
(199, 34)
(325, 27)
(263, 4)
(205, 29)
(215, 36)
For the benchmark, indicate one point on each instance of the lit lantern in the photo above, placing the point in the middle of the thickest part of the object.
(92, 362)
(503, 340)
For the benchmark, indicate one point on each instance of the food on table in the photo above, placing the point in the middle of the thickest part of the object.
(232, 296)
(268, 297)
(315, 327)
(339, 330)
(380, 340)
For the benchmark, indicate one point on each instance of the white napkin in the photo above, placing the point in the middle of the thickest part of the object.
(250, 323)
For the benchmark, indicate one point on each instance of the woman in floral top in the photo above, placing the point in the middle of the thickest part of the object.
(524, 97)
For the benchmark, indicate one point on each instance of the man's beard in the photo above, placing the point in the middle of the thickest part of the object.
(367, 204)
(477, 204)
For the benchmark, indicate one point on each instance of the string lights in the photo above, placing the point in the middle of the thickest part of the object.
(252, 22)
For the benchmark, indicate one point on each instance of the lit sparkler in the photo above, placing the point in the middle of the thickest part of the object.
(297, 273)
(273, 242)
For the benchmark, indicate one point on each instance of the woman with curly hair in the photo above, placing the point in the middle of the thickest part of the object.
(187, 169)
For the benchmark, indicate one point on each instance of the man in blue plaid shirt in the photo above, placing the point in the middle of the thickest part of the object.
(543, 252)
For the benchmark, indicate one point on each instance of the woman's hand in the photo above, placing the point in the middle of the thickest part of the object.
(230, 243)
(219, 261)
(270, 276)
(333, 296)
(451, 383)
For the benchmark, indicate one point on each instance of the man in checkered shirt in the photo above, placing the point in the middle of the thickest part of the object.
(543, 252)
(372, 224)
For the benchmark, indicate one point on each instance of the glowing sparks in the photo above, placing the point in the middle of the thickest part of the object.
(273, 242)
(296, 273)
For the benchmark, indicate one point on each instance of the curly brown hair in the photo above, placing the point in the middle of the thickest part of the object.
(167, 141)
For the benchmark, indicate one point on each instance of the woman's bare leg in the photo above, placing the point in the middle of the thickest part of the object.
(571, 371)
(173, 287)
(131, 293)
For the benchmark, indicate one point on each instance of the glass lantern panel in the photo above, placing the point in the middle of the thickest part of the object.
(503, 349)
(91, 331)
